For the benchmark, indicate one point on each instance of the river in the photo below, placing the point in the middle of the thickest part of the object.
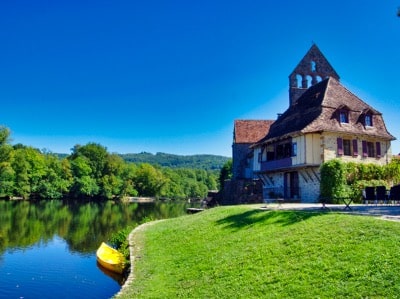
(48, 248)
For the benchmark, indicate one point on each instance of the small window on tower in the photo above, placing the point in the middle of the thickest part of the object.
(313, 66)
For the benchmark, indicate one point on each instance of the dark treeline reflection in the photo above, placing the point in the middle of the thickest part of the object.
(82, 225)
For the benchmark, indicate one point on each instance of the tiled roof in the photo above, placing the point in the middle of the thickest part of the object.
(250, 131)
(317, 110)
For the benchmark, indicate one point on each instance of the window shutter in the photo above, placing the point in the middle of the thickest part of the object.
(378, 149)
(340, 146)
(364, 148)
(355, 148)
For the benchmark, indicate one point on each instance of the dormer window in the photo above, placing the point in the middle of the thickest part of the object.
(368, 120)
(344, 116)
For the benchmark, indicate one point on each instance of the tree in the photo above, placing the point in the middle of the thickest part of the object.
(22, 170)
(7, 173)
(4, 135)
(225, 174)
(127, 176)
(84, 183)
(148, 180)
(57, 180)
(96, 156)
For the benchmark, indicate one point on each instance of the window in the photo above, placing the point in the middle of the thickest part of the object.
(294, 149)
(378, 149)
(313, 66)
(280, 151)
(288, 150)
(339, 146)
(370, 148)
(299, 81)
(368, 120)
(355, 148)
(270, 153)
(344, 117)
(346, 147)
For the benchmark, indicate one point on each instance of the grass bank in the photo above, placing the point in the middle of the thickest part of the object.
(243, 252)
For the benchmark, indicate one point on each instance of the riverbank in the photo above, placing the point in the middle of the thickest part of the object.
(273, 252)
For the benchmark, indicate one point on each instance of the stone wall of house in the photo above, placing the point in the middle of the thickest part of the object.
(309, 182)
(309, 186)
(273, 187)
(329, 144)
(240, 167)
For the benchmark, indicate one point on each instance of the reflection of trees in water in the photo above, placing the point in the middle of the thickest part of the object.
(83, 225)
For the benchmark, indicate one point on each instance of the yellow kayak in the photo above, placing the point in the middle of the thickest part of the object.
(110, 258)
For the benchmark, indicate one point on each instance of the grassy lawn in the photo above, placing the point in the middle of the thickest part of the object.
(243, 252)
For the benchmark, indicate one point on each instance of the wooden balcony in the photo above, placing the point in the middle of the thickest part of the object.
(276, 164)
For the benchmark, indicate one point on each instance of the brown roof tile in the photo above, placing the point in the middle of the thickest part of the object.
(317, 109)
(250, 131)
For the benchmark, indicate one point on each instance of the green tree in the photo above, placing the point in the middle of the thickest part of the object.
(148, 180)
(127, 176)
(96, 156)
(7, 173)
(84, 184)
(225, 173)
(173, 184)
(57, 180)
(21, 167)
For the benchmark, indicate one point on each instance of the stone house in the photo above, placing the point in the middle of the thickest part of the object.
(244, 186)
(324, 121)
(245, 134)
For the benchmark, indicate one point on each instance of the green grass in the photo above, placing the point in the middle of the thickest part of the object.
(243, 252)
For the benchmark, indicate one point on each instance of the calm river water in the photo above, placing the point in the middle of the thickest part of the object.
(48, 248)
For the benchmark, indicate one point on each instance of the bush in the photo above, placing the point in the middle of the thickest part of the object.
(119, 240)
(340, 179)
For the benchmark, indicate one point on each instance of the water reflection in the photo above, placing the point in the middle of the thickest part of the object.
(82, 226)
(47, 248)
(118, 278)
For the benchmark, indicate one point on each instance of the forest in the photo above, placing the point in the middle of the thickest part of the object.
(91, 172)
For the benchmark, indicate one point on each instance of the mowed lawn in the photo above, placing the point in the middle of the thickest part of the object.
(245, 252)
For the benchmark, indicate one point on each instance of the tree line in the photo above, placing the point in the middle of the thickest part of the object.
(90, 171)
(208, 162)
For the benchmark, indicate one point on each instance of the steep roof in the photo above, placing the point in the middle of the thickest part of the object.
(317, 110)
(324, 68)
(250, 131)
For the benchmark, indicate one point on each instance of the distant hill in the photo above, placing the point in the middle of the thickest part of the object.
(208, 162)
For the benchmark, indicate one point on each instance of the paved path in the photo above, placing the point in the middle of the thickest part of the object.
(389, 212)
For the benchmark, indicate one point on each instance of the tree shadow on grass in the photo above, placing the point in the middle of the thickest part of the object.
(253, 217)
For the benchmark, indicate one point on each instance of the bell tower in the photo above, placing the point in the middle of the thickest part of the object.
(313, 68)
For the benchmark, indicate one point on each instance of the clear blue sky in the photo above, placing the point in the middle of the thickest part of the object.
(172, 76)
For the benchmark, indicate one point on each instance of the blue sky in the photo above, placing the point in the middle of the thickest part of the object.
(172, 76)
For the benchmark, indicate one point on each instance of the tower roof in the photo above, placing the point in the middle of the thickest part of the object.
(313, 68)
(315, 63)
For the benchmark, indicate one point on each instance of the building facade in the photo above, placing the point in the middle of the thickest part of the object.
(324, 121)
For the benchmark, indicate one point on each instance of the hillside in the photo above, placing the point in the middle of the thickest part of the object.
(208, 162)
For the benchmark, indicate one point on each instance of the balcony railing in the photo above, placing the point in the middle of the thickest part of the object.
(276, 164)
